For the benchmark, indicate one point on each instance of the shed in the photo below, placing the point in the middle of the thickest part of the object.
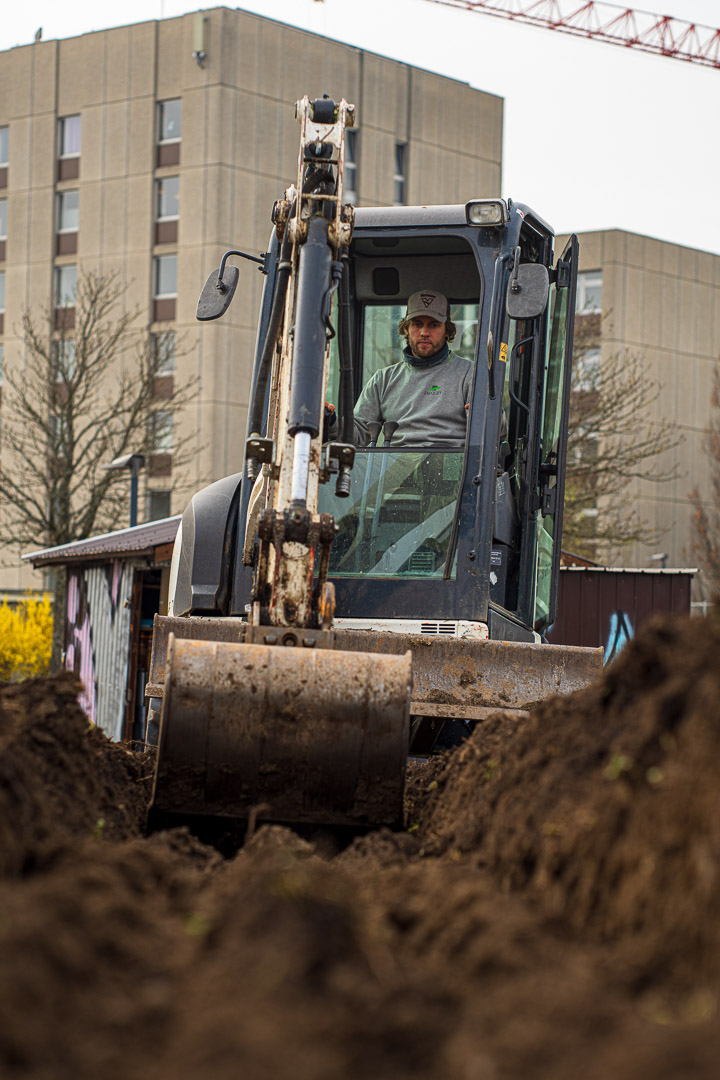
(603, 605)
(116, 583)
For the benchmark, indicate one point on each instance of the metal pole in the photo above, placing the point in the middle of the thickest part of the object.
(134, 470)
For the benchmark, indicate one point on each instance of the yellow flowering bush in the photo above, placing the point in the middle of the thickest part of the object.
(25, 638)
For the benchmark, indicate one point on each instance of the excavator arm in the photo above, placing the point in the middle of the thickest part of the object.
(305, 733)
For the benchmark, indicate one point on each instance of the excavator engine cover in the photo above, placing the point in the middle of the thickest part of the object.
(302, 735)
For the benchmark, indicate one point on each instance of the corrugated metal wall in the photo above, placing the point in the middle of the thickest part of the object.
(98, 639)
(597, 606)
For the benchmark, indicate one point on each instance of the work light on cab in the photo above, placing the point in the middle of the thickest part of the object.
(486, 212)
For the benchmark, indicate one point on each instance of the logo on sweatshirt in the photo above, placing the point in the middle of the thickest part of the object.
(433, 391)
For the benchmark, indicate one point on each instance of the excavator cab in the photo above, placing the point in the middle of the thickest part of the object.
(464, 535)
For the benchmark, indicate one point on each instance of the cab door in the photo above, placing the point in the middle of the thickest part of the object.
(552, 449)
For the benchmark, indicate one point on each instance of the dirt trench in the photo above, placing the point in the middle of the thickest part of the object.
(551, 910)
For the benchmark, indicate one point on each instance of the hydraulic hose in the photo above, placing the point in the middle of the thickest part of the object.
(346, 398)
(257, 403)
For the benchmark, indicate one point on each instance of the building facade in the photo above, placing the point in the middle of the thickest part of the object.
(660, 303)
(150, 149)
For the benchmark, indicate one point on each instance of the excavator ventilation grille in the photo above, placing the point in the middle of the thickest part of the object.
(446, 629)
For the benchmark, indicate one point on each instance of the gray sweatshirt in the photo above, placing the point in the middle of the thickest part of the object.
(427, 403)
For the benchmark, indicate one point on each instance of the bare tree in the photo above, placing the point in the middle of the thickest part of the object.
(85, 395)
(705, 540)
(93, 386)
(613, 441)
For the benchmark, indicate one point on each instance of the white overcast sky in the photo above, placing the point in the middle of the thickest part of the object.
(596, 136)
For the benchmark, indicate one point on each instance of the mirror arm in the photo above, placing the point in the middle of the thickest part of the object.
(514, 284)
(244, 255)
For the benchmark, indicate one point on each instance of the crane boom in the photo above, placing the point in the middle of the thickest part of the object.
(609, 23)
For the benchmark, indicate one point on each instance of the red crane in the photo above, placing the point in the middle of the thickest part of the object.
(658, 34)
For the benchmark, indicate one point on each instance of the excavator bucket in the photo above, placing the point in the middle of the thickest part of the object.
(295, 735)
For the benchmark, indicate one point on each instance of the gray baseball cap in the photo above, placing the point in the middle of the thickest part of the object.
(428, 302)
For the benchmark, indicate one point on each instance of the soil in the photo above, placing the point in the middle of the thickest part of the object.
(551, 910)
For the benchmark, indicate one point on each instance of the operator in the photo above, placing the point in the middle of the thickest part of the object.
(427, 393)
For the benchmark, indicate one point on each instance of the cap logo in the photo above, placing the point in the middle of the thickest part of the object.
(427, 298)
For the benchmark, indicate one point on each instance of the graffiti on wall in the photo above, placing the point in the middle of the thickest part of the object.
(98, 639)
(621, 631)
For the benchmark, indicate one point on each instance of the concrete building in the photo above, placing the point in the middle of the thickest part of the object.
(150, 149)
(660, 302)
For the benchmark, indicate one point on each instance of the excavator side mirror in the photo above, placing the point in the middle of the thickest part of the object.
(528, 291)
(217, 293)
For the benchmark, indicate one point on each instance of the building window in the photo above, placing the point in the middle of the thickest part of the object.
(167, 197)
(161, 431)
(65, 285)
(351, 164)
(399, 177)
(586, 369)
(2, 301)
(165, 276)
(69, 130)
(64, 360)
(67, 212)
(589, 292)
(59, 430)
(167, 208)
(4, 154)
(158, 505)
(3, 228)
(169, 132)
(2, 363)
(68, 204)
(165, 287)
(163, 347)
(170, 120)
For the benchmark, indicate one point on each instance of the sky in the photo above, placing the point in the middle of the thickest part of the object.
(595, 136)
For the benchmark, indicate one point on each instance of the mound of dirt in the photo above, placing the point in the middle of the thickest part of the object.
(550, 911)
(605, 806)
(60, 779)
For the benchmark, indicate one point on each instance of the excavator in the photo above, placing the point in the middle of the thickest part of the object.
(335, 608)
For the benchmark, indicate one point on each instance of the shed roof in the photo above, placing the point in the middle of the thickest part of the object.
(140, 540)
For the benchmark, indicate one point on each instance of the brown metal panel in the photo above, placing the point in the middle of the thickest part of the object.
(2, 322)
(2, 250)
(159, 465)
(68, 168)
(64, 318)
(66, 243)
(631, 594)
(166, 232)
(164, 310)
(588, 615)
(168, 154)
(3, 177)
(588, 598)
(681, 593)
(163, 387)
